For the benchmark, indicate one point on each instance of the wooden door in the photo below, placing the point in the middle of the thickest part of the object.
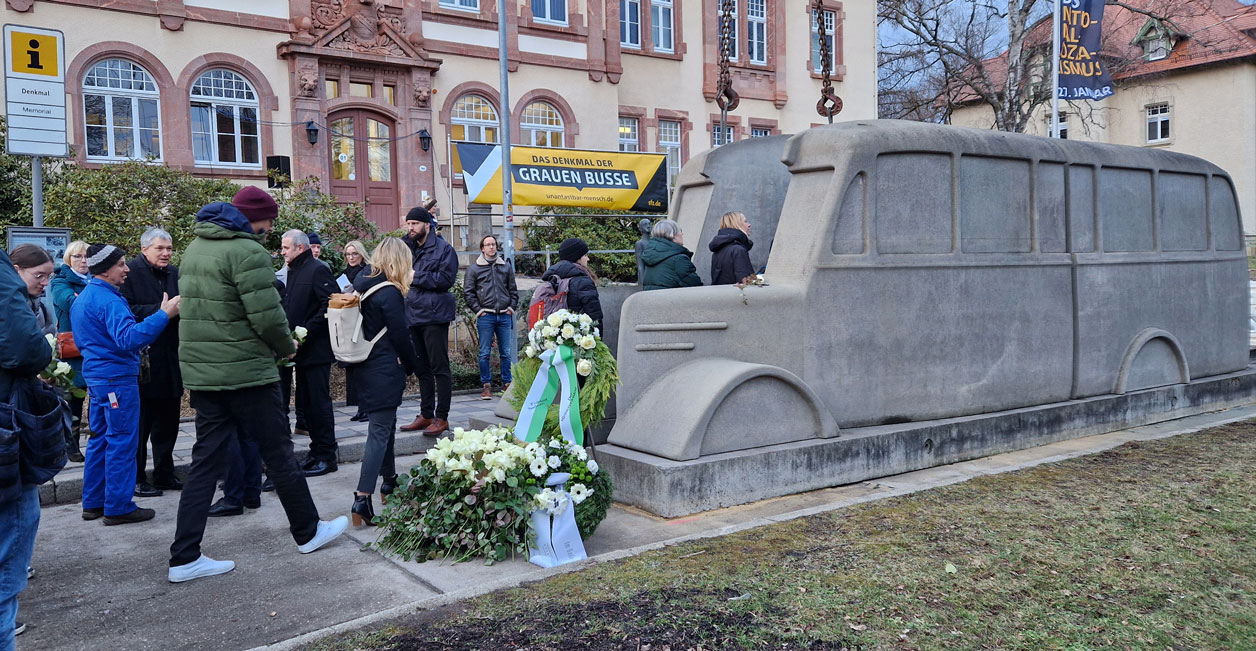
(364, 164)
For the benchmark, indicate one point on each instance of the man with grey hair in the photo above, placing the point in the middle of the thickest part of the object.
(161, 385)
(310, 284)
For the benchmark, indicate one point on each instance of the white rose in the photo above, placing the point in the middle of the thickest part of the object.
(300, 332)
(62, 369)
(584, 367)
(549, 331)
(52, 340)
(549, 345)
(555, 462)
(592, 466)
(585, 319)
(569, 331)
(554, 319)
(587, 342)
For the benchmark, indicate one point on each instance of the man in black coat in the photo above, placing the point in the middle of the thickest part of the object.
(309, 285)
(429, 311)
(161, 387)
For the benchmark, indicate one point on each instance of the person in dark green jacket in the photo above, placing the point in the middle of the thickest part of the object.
(232, 332)
(667, 262)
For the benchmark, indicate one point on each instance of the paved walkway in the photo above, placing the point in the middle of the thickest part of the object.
(106, 588)
(67, 486)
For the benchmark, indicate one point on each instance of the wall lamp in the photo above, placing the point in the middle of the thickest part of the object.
(311, 132)
(425, 140)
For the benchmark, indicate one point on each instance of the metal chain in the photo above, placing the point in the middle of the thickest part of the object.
(830, 104)
(725, 97)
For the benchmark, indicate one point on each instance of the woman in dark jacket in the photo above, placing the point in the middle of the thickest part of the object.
(355, 261)
(573, 263)
(70, 280)
(667, 262)
(381, 378)
(730, 250)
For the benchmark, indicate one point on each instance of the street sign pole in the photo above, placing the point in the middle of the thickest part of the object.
(37, 190)
(508, 206)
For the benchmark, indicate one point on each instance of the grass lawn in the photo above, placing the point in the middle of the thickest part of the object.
(1147, 546)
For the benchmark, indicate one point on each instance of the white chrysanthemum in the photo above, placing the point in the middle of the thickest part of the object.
(584, 367)
(538, 467)
(555, 462)
(555, 319)
(579, 493)
(530, 351)
(549, 345)
(581, 454)
(592, 465)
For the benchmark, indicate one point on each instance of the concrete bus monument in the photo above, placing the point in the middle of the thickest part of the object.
(933, 294)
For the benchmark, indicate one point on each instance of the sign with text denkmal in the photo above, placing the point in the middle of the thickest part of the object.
(34, 91)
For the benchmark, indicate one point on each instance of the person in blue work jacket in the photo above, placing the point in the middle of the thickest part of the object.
(110, 339)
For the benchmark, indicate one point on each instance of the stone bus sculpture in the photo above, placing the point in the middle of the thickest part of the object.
(925, 278)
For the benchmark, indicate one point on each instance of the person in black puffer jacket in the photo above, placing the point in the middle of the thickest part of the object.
(573, 263)
(382, 377)
(730, 250)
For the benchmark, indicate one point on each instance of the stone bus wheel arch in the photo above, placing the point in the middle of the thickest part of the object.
(1153, 359)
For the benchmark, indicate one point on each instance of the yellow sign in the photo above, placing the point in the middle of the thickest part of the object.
(34, 54)
(567, 177)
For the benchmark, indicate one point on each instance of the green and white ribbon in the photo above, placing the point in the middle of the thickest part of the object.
(558, 371)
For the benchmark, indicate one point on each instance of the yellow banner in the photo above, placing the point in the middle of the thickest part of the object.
(567, 177)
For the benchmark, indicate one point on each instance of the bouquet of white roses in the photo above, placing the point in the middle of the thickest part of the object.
(564, 328)
(590, 488)
(60, 374)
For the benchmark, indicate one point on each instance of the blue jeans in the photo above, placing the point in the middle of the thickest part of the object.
(17, 543)
(244, 469)
(503, 327)
(109, 470)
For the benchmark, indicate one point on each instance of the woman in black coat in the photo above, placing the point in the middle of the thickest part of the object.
(355, 261)
(381, 379)
(730, 250)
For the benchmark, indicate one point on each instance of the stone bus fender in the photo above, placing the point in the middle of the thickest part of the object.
(713, 405)
(1153, 359)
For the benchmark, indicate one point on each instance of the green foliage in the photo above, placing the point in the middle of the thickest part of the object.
(303, 206)
(594, 392)
(15, 184)
(117, 203)
(600, 229)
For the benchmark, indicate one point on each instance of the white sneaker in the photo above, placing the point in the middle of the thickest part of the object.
(201, 567)
(327, 532)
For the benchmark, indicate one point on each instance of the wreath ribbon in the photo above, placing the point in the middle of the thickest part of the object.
(557, 372)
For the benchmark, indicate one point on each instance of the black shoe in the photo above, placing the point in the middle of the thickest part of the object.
(319, 467)
(76, 456)
(362, 513)
(308, 463)
(359, 418)
(146, 489)
(171, 484)
(222, 508)
(386, 488)
(268, 486)
(94, 514)
(138, 515)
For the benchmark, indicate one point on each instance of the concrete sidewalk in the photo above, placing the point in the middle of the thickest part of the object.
(104, 588)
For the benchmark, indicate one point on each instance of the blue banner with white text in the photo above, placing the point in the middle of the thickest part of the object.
(1082, 74)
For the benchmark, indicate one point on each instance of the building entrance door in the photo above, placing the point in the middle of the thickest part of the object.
(364, 164)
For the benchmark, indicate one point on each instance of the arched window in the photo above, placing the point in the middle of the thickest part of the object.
(541, 125)
(224, 120)
(121, 111)
(473, 119)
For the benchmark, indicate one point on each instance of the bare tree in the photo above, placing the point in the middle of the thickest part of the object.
(938, 55)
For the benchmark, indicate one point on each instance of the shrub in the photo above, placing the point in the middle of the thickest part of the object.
(303, 206)
(600, 229)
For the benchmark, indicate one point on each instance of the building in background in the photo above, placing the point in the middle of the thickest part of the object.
(367, 94)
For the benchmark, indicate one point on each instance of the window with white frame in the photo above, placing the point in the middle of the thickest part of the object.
(760, 132)
(1158, 123)
(757, 31)
(224, 120)
(1063, 126)
(669, 143)
(473, 5)
(721, 135)
(661, 25)
(830, 25)
(550, 11)
(732, 28)
(121, 112)
(630, 23)
(542, 125)
(629, 134)
(473, 119)
(1156, 48)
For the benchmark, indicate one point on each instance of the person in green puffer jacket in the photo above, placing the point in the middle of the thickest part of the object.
(667, 263)
(232, 331)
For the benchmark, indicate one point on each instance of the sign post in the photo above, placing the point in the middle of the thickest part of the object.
(34, 94)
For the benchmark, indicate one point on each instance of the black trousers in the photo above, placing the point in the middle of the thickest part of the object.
(378, 460)
(313, 405)
(436, 384)
(220, 415)
(159, 423)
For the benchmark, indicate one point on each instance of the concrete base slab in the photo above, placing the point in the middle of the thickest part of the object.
(675, 488)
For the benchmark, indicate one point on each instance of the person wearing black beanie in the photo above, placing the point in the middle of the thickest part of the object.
(430, 308)
(573, 263)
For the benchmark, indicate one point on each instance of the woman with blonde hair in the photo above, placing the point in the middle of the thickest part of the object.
(68, 282)
(730, 250)
(381, 379)
(356, 259)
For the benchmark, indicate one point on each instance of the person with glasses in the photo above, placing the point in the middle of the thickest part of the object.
(34, 265)
(356, 259)
(67, 283)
